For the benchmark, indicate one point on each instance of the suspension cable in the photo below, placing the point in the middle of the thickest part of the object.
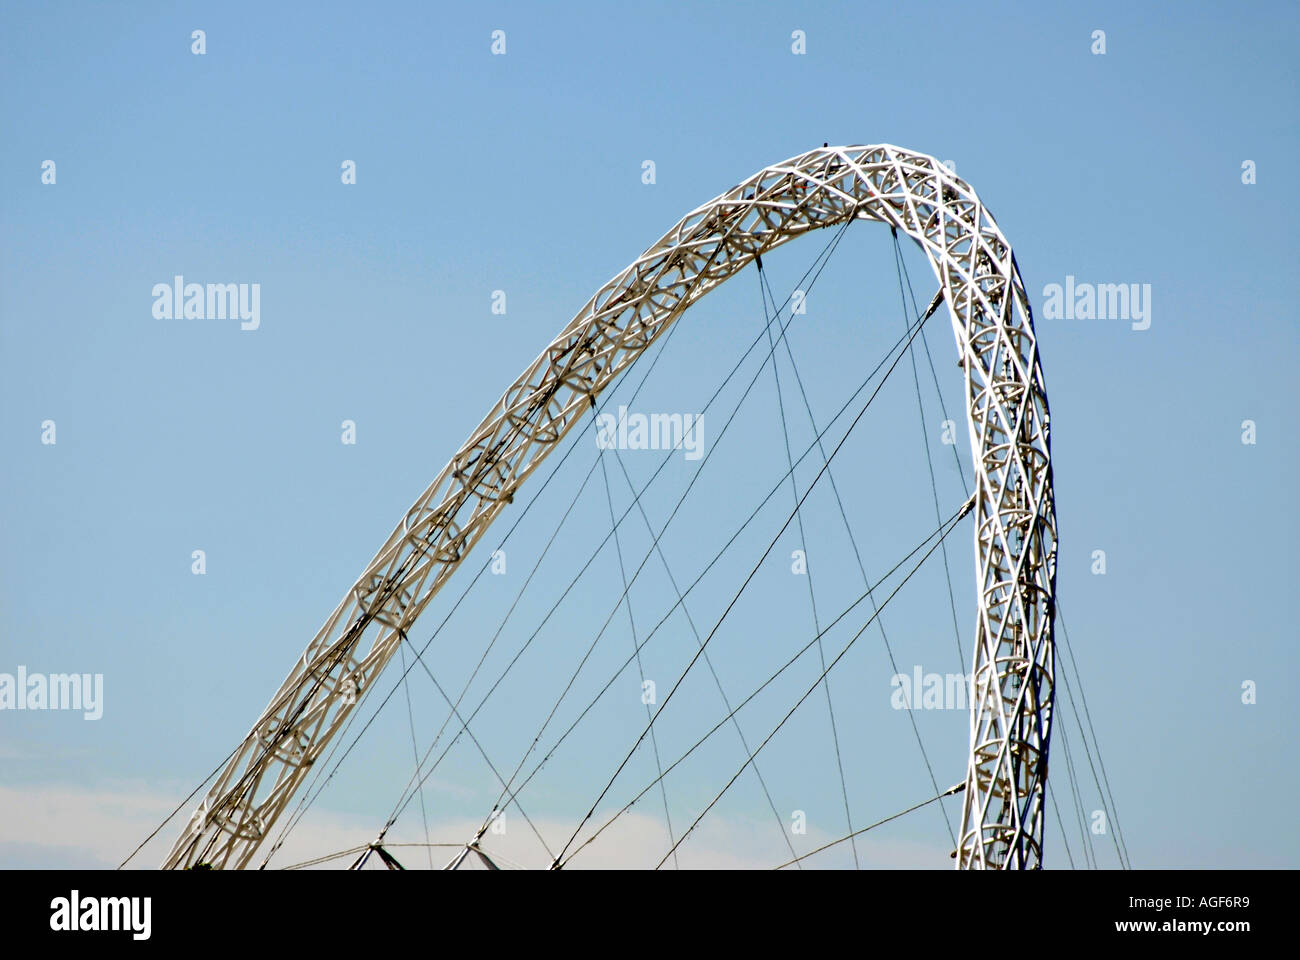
(899, 268)
(1060, 823)
(823, 257)
(677, 685)
(636, 647)
(709, 566)
(308, 797)
(803, 544)
(857, 554)
(951, 791)
(966, 508)
(942, 531)
(415, 747)
(1113, 810)
(708, 661)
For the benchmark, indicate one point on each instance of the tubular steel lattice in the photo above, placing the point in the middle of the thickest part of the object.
(1015, 522)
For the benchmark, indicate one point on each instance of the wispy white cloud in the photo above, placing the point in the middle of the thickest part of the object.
(67, 826)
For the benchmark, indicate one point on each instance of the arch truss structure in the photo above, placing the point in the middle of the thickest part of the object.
(1015, 524)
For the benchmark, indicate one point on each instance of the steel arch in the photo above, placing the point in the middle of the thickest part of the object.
(1015, 525)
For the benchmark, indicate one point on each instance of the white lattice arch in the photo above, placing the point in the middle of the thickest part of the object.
(1015, 521)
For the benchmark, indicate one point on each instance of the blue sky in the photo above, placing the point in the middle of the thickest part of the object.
(523, 173)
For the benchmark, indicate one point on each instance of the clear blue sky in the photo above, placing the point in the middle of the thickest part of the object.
(522, 173)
